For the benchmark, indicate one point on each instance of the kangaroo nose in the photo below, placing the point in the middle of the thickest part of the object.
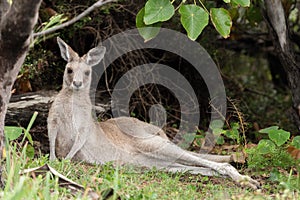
(77, 83)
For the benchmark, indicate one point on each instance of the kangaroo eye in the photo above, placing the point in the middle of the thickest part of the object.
(69, 71)
(87, 73)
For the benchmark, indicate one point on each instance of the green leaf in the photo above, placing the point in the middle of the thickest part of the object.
(265, 146)
(269, 129)
(243, 3)
(216, 124)
(296, 142)
(220, 140)
(194, 19)
(186, 141)
(221, 19)
(232, 134)
(30, 151)
(158, 11)
(279, 136)
(148, 32)
(12, 132)
(226, 1)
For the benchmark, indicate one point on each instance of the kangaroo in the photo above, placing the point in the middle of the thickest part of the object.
(75, 134)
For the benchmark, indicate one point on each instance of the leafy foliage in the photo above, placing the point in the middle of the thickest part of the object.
(278, 136)
(265, 146)
(272, 152)
(13, 133)
(53, 21)
(194, 18)
(232, 133)
(296, 142)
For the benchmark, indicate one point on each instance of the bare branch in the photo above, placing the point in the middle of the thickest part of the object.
(75, 19)
(277, 19)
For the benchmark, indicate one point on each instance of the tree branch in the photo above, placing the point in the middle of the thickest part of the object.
(279, 31)
(277, 19)
(75, 19)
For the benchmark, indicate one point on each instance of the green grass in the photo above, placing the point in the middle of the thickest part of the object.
(126, 182)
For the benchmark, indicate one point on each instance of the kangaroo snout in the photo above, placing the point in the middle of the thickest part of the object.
(77, 84)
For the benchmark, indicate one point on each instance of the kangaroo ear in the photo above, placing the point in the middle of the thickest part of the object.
(95, 55)
(67, 53)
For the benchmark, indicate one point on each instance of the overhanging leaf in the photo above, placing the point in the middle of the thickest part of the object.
(243, 3)
(148, 32)
(221, 20)
(194, 19)
(158, 11)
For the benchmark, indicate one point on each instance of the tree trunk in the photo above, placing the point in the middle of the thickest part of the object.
(17, 22)
(278, 27)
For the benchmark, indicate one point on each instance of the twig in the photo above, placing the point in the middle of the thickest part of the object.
(75, 19)
(241, 119)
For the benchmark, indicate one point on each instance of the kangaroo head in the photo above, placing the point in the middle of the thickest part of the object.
(77, 75)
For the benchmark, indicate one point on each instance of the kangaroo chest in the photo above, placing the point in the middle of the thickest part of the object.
(74, 118)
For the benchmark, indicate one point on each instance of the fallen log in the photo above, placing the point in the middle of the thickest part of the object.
(22, 106)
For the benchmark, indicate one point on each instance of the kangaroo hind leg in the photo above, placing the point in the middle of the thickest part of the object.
(175, 155)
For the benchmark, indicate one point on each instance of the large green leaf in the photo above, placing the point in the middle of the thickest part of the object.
(148, 32)
(269, 129)
(158, 11)
(277, 135)
(296, 142)
(221, 19)
(265, 146)
(243, 3)
(12, 132)
(194, 19)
